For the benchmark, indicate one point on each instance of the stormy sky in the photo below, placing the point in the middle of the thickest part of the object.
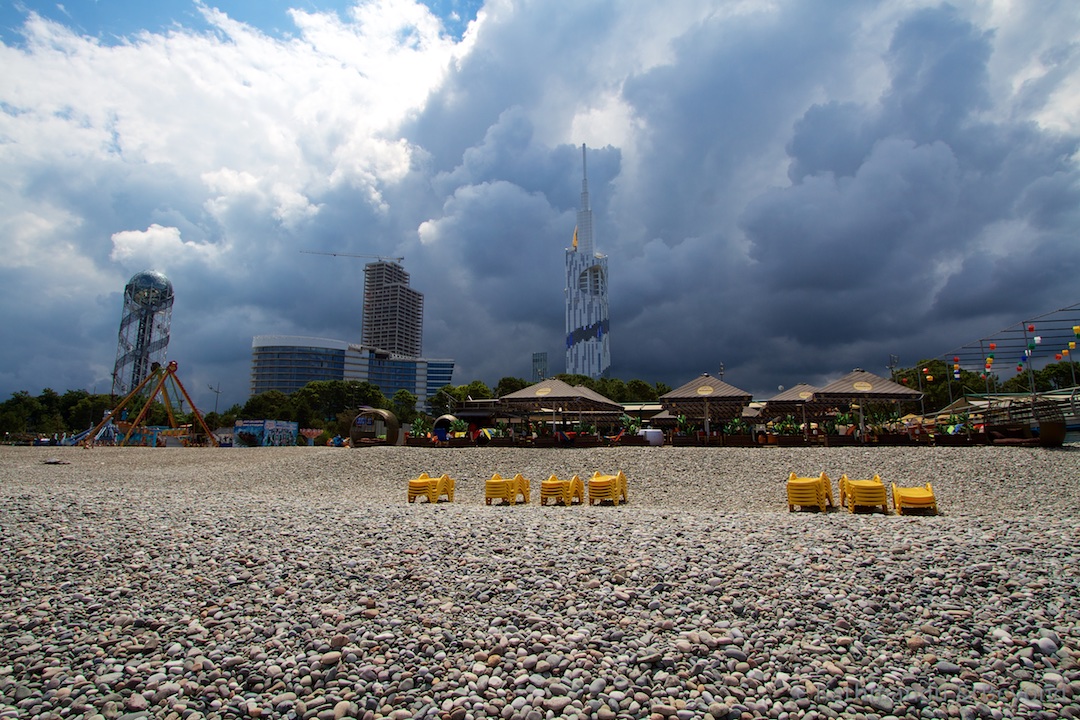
(792, 188)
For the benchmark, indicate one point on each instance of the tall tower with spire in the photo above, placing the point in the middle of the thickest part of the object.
(588, 348)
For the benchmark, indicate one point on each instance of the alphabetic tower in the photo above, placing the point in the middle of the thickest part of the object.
(588, 349)
(144, 330)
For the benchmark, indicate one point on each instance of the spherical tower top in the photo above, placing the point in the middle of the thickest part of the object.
(150, 289)
(143, 340)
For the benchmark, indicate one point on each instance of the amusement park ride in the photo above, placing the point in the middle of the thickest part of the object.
(165, 383)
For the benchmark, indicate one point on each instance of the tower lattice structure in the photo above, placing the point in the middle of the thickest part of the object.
(588, 347)
(144, 329)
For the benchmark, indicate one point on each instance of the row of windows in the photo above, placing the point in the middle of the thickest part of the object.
(294, 351)
(295, 374)
(259, 366)
(288, 371)
(391, 371)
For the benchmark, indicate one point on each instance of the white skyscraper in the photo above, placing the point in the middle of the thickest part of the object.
(588, 349)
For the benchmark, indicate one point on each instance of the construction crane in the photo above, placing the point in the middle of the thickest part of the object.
(398, 260)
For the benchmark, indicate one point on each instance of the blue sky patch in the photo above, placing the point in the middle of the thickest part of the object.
(113, 20)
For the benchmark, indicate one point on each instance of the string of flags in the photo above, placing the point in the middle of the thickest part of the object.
(1033, 343)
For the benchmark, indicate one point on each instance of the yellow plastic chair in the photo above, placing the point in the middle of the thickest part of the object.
(914, 498)
(431, 488)
(863, 493)
(827, 482)
(607, 487)
(563, 491)
(506, 489)
(809, 492)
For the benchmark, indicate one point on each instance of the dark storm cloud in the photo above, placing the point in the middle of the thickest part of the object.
(510, 153)
(490, 256)
(938, 75)
(888, 229)
(713, 121)
(526, 56)
(908, 217)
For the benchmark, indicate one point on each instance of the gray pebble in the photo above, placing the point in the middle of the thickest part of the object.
(228, 583)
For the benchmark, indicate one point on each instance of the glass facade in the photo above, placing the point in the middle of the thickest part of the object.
(290, 367)
(392, 374)
(539, 366)
(289, 363)
(440, 373)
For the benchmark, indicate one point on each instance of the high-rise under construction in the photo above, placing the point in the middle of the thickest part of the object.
(393, 316)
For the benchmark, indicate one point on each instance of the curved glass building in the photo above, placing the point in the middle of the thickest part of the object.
(288, 363)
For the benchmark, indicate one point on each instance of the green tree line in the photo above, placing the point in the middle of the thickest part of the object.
(331, 405)
(944, 387)
(76, 410)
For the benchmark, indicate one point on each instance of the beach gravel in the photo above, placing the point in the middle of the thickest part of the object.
(299, 583)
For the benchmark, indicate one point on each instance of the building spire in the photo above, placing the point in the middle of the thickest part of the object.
(584, 181)
(584, 168)
(585, 225)
(588, 348)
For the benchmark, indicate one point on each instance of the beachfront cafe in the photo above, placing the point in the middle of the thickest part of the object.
(556, 412)
(793, 405)
(858, 388)
(707, 401)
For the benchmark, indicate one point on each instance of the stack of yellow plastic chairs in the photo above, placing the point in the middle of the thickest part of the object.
(863, 493)
(506, 489)
(607, 487)
(809, 492)
(916, 498)
(562, 491)
(431, 488)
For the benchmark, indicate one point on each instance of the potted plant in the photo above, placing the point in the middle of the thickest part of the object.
(459, 433)
(501, 435)
(629, 427)
(955, 431)
(420, 432)
(737, 432)
(585, 435)
(684, 431)
(843, 423)
(788, 432)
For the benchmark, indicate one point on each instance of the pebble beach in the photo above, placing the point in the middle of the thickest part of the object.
(299, 583)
